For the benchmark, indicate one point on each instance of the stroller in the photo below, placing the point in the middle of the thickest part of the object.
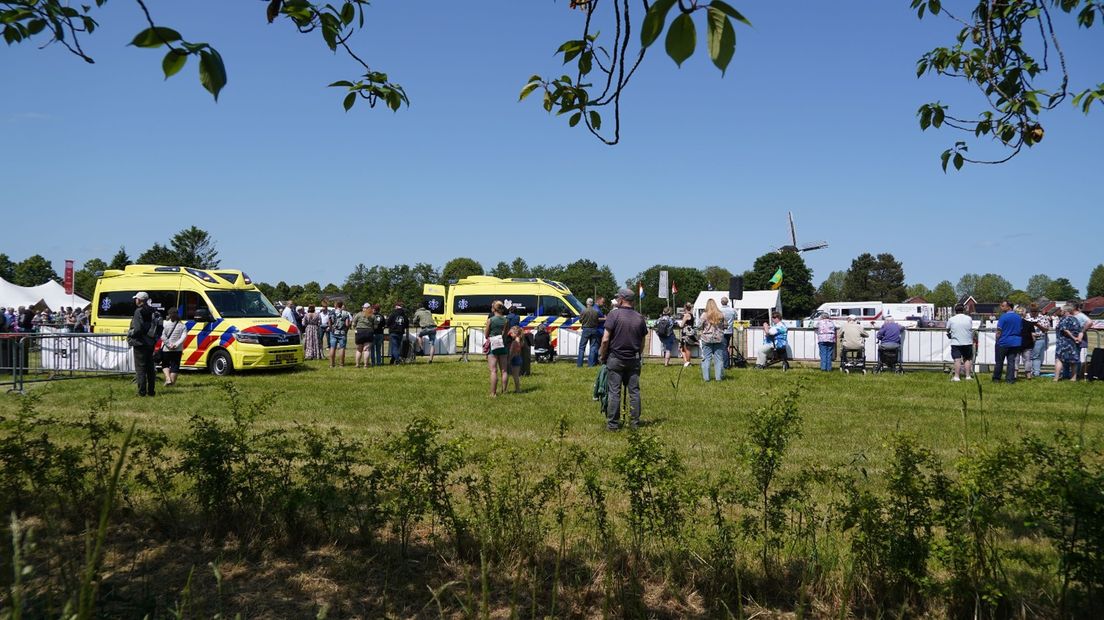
(853, 360)
(411, 346)
(543, 352)
(778, 355)
(889, 359)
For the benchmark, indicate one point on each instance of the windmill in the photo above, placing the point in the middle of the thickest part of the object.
(793, 247)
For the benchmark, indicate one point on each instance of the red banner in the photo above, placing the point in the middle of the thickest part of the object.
(68, 277)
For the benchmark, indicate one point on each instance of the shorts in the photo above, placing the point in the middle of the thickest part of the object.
(962, 352)
(668, 343)
(171, 360)
(429, 332)
(337, 339)
(515, 360)
(362, 337)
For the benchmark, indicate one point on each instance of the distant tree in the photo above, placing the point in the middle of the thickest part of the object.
(158, 255)
(584, 276)
(1095, 287)
(330, 290)
(1020, 298)
(689, 280)
(281, 291)
(918, 290)
(831, 289)
(717, 277)
(120, 260)
(943, 295)
(84, 279)
(460, 268)
(1037, 285)
(312, 294)
(194, 247)
(798, 293)
(1061, 289)
(988, 288)
(548, 272)
(33, 271)
(501, 270)
(875, 279)
(7, 268)
(268, 290)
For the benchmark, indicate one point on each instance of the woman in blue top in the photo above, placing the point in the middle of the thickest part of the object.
(1067, 348)
(495, 331)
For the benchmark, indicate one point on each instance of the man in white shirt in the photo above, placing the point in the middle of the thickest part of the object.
(729, 316)
(324, 328)
(960, 329)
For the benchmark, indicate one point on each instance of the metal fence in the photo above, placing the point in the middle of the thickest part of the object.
(32, 357)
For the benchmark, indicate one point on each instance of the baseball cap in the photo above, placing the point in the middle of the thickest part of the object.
(366, 306)
(625, 293)
(144, 296)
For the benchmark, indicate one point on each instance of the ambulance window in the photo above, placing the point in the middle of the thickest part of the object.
(435, 303)
(552, 306)
(473, 304)
(524, 304)
(869, 311)
(116, 304)
(190, 302)
(162, 301)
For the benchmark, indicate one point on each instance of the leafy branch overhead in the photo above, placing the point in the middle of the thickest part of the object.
(582, 100)
(57, 22)
(997, 50)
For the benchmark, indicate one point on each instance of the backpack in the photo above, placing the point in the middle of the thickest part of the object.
(663, 327)
(153, 332)
(711, 333)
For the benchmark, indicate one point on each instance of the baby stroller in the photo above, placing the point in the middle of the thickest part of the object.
(778, 355)
(853, 360)
(543, 352)
(889, 359)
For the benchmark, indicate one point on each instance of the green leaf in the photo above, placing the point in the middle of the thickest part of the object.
(173, 62)
(958, 161)
(35, 26)
(155, 37)
(595, 120)
(937, 117)
(654, 20)
(350, 99)
(945, 158)
(585, 63)
(528, 89)
(345, 83)
(933, 7)
(212, 73)
(727, 9)
(722, 39)
(925, 118)
(348, 13)
(681, 39)
(574, 120)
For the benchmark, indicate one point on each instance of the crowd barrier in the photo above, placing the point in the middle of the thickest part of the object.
(52, 354)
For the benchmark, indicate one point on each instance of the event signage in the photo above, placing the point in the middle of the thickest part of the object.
(662, 285)
(68, 277)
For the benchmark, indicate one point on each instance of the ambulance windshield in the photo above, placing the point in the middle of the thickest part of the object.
(242, 304)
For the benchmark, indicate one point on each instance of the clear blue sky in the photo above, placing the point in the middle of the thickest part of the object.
(816, 115)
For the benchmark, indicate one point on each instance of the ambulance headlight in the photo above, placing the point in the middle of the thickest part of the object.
(245, 338)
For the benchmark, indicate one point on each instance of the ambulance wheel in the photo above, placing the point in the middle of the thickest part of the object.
(220, 363)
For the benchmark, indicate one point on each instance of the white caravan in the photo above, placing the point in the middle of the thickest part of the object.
(875, 313)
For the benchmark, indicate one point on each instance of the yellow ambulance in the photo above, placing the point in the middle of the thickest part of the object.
(231, 324)
(538, 302)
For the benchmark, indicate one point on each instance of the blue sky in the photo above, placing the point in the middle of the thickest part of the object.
(816, 115)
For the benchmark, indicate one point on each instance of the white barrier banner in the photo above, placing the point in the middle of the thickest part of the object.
(444, 342)
(85, 353)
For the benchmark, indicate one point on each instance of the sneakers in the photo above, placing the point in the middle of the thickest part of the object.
(969, 378)
(685, 364)
(955, 379)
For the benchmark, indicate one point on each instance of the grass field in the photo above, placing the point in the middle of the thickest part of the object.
(824, 562)
(844, 416)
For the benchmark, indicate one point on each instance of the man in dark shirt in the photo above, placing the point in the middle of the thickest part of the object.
(396, 326)
(139, 337)
(588, 335)
(620, 352)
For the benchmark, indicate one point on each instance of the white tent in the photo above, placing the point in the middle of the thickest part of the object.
(755, 304)
(51, 294)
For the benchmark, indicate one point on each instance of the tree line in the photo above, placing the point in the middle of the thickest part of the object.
(870, 277)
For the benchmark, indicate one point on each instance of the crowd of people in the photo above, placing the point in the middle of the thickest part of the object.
(325, 332)
(28, 320)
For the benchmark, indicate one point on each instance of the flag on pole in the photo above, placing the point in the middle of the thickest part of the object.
(776, 279)
(640, 290)
(674, 288)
